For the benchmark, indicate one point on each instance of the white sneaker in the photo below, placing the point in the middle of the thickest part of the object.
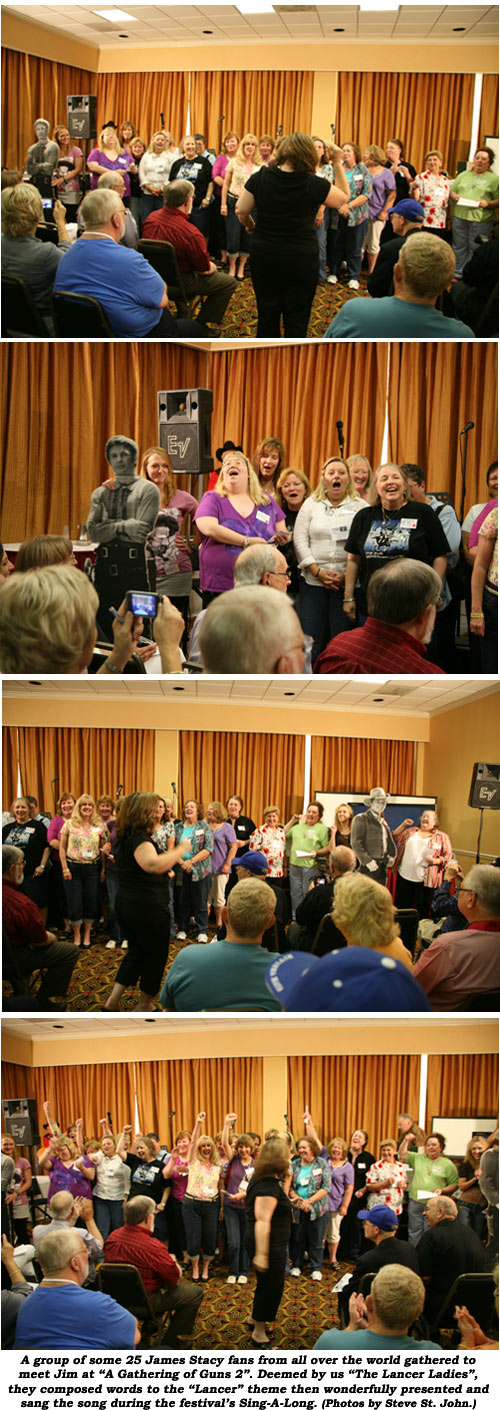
(181, 935)
(316, 1277)
(242, 1279)
(111, 945)
(124, 944)
(353, 284)
(203, 939)
(332, 279)
(295, 1272)
(231, 1278)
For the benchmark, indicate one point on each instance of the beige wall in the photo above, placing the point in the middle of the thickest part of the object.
(458, 739)
(321, 58)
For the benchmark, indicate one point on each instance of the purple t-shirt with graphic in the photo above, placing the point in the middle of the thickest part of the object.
(224, 837)
(381, 185)
(217, 559)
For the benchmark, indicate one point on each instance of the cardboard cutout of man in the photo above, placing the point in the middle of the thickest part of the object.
(371, 837)
(122, 514)
(42, 158)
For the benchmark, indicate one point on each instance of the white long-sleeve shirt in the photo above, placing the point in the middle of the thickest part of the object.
(320, 534)
(155, 170)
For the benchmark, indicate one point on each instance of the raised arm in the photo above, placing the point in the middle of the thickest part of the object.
(311, 1132)
(120, 1149)
(191, 1155)
(229, 1121)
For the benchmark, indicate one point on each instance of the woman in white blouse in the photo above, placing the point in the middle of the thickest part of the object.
(432, 188)
(319, 538)
(154, 172)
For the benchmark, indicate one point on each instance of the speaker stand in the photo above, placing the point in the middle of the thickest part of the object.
(481, 820)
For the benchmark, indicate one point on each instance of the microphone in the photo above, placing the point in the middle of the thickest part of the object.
(332, 125)
(222, 118)
(171, 1114)
(469, 427)
(119, 790)
(287, 1123)
(54, 780)
(280, 129)
(162, 119)
(339, 425)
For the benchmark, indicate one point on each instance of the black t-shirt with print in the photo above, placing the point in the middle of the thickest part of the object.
(413, 532)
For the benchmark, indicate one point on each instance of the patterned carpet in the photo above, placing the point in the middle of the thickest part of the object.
(240, 319)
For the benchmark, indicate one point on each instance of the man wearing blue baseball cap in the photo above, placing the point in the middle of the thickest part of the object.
(346, 981)
(380, 1225)
(405, 217)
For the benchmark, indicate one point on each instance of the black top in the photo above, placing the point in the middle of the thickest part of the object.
(316, 904)
(147, 1178)
(414, 531)
(31, 837)
(361, 1164)
(198, 171)
(131, 876)
(243, 828)
(402, 187)
(281, 1221)
(341, 840)
(287, 203)
(288, 550)
(445, 1252)
(391, 1250)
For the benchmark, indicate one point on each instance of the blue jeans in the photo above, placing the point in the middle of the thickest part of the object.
(149, 204)
(322, 234)
(464, 234)
(200, 1222)
(300, 881)
(321, 614)
(192, 900)
(108, 1214)
(416, 1222)
(237, 1255)
(308, 1234)
(472, 1217)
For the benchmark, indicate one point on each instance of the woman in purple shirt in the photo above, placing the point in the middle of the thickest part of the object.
(109, 156)
(60, 1159)
(382, 198)
(237, 512)
(225, 848)
(239, 1171)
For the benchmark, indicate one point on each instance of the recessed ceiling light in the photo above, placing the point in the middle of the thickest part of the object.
(178, 687)
(289, 692)
(58, 1025)
(338, 31)
(459, 29)
(117, 17)
(207, 31)
(255, 7)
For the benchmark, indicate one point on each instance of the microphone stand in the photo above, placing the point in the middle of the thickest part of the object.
(340, 433)
(219, 125)
(463, 455)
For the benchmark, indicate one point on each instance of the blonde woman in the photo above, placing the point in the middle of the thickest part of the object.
(154, 173)
(166, 547)
(364, 913)
(470, 1200)
(225, 848)
(64, 179)
(383, 196)
(109, 156)
(319, 538)
(237, 173)
(237, 512)
(23, 255)
(361, 475)
(80, 847)
(200, 1206)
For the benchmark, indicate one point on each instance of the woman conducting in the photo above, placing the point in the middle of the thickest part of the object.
(142, 908)
(284, 259)
(268, 1232)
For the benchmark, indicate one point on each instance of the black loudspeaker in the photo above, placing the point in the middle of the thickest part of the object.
(21, 1120)
(485, 786)
(184, 429)
(81, 109)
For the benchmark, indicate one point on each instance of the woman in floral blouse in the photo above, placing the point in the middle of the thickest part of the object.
(386, 1181)
(194, 873)
(432, 188)
(82, 840)
(200, 1206)
(271, 840)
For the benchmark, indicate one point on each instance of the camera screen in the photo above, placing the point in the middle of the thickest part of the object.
(143, 604)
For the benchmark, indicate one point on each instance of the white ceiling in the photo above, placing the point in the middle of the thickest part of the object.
(216, 25)
(423, 696)
(87, 1026)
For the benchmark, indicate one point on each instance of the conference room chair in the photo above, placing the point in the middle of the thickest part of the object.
(162, 256)
(135, 667)
(47, 233)
(479, 1003)
(123, 1282)
(471, 1290)
(20, 316)
(408, 921)
(79, 316)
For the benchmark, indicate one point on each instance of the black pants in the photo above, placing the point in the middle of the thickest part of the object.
(175, 1226)
(269, 1289)
(284, 289)
(145, 920)
(414, 894)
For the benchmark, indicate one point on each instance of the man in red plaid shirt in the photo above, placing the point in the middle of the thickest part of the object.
(401, 599)
(135, 1243)
(200, 275)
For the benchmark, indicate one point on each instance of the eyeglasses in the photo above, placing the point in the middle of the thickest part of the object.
(280, 573)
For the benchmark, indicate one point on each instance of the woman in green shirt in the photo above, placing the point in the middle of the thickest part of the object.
(432, 1173)
(480, 185)
(309, 836)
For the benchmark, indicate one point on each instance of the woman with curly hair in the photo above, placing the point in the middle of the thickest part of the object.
(142, 908)
(364, 912)
(237, 512)
(57, 894)
(108, 155)
(246, 161)
(268, 1232)
(61, 1159)
(80, 847)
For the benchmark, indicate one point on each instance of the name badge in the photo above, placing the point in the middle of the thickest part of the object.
(409, 523)
(263, 517)
(343, 529)
(199, 832)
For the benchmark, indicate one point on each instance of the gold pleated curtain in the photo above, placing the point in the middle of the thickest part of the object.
(252, 101)
(142, 97)
(419, 108)
(91, 761)
(9, 765)
(261, 768)
(356, 765)
(488, 113)
(31, 88)
(87, 392)
(87, 1090)
(344, 1093)
(451, 384)
(461, 1084)
(187, 1086)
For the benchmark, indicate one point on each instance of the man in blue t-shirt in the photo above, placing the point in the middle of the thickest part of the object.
(232, 973)
(381, 1321)
(132, 293)
(425, 268)
(61, 1313)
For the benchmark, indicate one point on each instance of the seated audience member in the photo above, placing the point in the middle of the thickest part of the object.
(464, 964)
(135, 1243)
(256, 864)
(344, 981)
(231, 974)
(132, 294)
(380, 1226)
(425, 268)
(48, 624)
(383, 1319)
(259, 564)
(33, 946)
(11, 176)
(488, 1185)
(62, 1313)
(318, 903)
(251, 632)
(472, 1336)
(199, 274)
(64, 1211)
(365, 913)
(444, 903)
(401, 599)
(114, 181)
(35, 261)
(445, 1251)
(42, 551)
(476, 297)
(405, 217)
(12, 1297)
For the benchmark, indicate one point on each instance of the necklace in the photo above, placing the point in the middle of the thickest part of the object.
(390, 513)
